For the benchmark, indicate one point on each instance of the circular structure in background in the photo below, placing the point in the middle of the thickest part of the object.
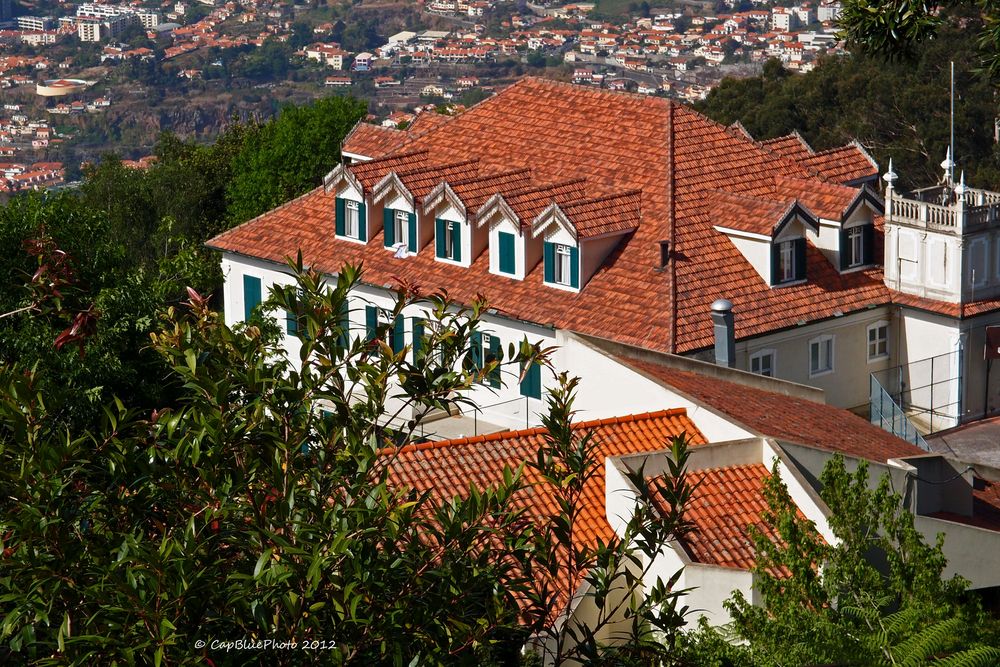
(61, 87)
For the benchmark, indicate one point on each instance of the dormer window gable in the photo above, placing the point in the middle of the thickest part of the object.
(453, 204)
(770, 234)
(579, 236)
(856, 240)
(399, 214)
(514, 251)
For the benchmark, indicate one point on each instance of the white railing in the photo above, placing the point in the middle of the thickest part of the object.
(925, 214)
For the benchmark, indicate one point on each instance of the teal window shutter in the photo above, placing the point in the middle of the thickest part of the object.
(362, 222)
(574, 267)
(291, 323)
(389, 227)
(531, 385)
(550, 262)
(397, 334)
(868, 243)
(411, 239)
(494, 355)
(371, 323)
(775, 263)
(340, 216)
(456, 241)
(439, 232)
(506, 240)
(800, 259)
(845, 249)
(344, 337)
(251, 295)
(476, 351)
(418, 336)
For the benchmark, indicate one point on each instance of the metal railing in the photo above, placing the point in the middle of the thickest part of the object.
(477, 409)
(889, 416)
(928, 391)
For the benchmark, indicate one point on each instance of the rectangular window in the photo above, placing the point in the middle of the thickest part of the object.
(449, 240)
(878, 341)
(762, 363)
(856, 244)
(402, 226)
(563, 265)
(821, 355)
(490, 354)
(786, 261)
(352, 219)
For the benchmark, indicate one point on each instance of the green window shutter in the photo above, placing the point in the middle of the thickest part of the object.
(439, 232)
(417, 323)
(344, 337)
(251, 295)
(291, 323)
(362, 222)
(775, 263)
(550, 262)
(531, 385)
(389, 226)
(845, 250)
(506, 240)
(868, 243)
(411, 239)
(476, 351)
(371, 323)
(340, 216)
(456, 241)
(574, 267)
(397, 334)
(494, 355)
(800, 259)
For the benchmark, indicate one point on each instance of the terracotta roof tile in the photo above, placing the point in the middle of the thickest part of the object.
(373, 140)
(371, 172)
(473, 191)
(447, 468)
(827, 200)
(605, 215)
(724, 504)
(985, 507)
(529, 202)
(617, 142)
(789, 418)
(748, 214)
(844, 164)
(791, 146)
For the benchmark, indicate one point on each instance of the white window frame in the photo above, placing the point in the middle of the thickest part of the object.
(827, 342)
(449, 250)
(401, 221)
(759, 357)
(786, 263)
(562, 272)
(352, 219)
(856, 237)
(884, 354)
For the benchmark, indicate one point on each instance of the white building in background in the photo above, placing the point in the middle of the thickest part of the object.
(828, 11)
(35, 23)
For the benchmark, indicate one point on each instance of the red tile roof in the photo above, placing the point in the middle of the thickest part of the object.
(610, 214)
(373, 140)
(985, 507)
(775, 415)
(447, 468)
(791, 146)
(827, 200)
(563, 131)
(473, 191)
(529, 202)
(748, 214)
(844, 164)
(724, 504)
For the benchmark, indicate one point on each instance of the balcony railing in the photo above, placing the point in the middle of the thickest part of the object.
(981, 207)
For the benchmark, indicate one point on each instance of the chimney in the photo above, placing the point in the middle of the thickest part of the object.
(725, 336)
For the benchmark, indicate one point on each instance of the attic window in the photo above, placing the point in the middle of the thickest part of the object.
(563, 272)
(788, 261)
(664, 253)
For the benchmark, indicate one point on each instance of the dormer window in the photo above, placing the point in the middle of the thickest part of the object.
(564, 262)
(351, 219)
(788, 261)
(448, 240)
(857, 246)
(400, 227)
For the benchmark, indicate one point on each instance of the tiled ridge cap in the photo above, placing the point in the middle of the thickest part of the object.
(379, 161)
(486, 177)
(636, 192)
(794, 134)
(535, 189)
(526, 433)
(419, 169)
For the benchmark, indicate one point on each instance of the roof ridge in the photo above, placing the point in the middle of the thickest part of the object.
(391, 156)
(648, 99)
(599, 198)
(496, 174)
(541, 188)
(537, 430)
(432, 167)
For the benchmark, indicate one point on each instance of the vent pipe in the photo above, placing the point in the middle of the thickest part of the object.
(725, 335)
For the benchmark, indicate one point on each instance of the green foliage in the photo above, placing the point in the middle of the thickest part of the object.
(897, 110)
(876, 596)
(289, 155)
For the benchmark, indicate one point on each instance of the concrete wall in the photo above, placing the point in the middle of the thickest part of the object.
(847, 386)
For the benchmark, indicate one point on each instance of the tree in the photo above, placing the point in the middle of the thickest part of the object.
(260, 505)
(876, 597)
(289, 155)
